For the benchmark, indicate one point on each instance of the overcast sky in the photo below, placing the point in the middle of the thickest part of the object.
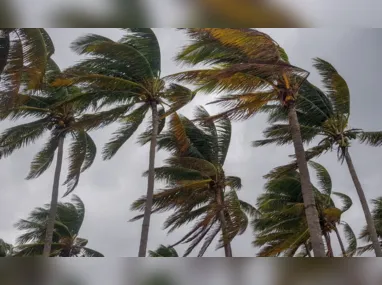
(109, 187)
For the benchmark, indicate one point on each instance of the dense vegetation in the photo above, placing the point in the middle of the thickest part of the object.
(120, 82)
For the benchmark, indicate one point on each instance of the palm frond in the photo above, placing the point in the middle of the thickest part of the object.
(323, 177)
(178, 96)
(346, 201)
(44, 158)
(146, 42)
(336, 86)
(206, 168)
(88, 252)
(163, 251)
(170, 174)
(22, 135)
(371, 138)
(233, 182)
(350, 238)
(130, 124)
(81, 156)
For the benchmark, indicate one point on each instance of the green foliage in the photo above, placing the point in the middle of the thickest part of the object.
(66, 243)
(163, 251)
(194, 174)
(281, 227)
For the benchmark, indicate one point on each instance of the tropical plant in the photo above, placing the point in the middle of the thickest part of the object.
(163, 251)
(198, 189)
(6, 249)
(365, 234)
(255, 70)
(49, 114)
(281, 228)
(66, 242)
(325, 115)
(124, 77)
(24, 55)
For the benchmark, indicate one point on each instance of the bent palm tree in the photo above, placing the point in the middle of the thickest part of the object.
(198, 189)
(66, 242)
(163, 251)
(6, 249)
(50, 115)
(281, 228)
(251, 63)
(24, 54)
(325, 115)
(124, 77)
(365, 234)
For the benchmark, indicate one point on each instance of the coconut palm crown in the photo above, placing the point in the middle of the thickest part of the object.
(198, 189)
(281, 228)
(66, 242)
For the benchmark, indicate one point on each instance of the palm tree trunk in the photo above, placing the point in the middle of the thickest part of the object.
(365, 206)
(306, 186)
(329, 245)
(54, 200)
(340, 241)
(150, 183)
(219, 201)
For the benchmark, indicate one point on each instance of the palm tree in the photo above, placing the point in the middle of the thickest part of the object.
(251, 63)
(281, 228)
(326, 115)
(66, 242)
(24, 55)
(198, 189)
(6, 249)
(50, 115)
(365, 234)
(124, 77)
(163, 251)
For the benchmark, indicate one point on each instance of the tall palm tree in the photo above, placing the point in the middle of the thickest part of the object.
(24, 54)
(6, 249)
(365, 234)
(124, 77)
(163, 251)
(198, 189)
(325, 115)
(256, 70)
(281, 228)
(49, 114)
(66, 242)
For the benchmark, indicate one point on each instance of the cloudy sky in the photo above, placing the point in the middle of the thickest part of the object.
(109, 187)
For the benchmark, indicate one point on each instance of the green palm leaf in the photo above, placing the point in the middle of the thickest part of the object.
(44, 158)
(336, 86)
(81, 156)
(130, 124)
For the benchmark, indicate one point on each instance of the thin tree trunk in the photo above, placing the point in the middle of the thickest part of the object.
(150, 183)
(306, 186)
(307, 250)
(54, 200)
(329, 245)
(365, 206)
(227, 245)
(340, 241)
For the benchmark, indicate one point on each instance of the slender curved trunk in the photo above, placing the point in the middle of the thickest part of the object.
(306, 186)
(54, 200)
(365, 206)
(227, 245)
(150, 183)
(340, 241)
(329, 245)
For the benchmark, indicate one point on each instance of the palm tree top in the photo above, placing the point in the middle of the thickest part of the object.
(66, 242)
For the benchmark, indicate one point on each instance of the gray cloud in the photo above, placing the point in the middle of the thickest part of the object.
(109, 187)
